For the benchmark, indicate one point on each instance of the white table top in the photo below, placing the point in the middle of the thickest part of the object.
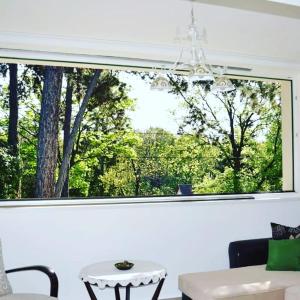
(105, 274)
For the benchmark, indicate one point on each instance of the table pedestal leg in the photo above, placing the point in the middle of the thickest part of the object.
(127, 292)
(117, 293)
(90, 291)
(158, 289)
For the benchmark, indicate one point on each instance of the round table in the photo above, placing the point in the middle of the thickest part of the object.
(106, 275)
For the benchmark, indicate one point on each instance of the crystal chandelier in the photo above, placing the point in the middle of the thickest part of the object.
(192, 60)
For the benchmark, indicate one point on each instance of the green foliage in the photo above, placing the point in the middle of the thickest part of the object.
(227, 143)
(162, 162)
(8, 168)
(238, 123)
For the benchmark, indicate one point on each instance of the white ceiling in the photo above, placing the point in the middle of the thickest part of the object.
(146, 29)
(287, 8)
(290, 2)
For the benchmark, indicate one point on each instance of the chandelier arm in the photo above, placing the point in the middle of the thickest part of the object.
(205, 60)
(176, 63)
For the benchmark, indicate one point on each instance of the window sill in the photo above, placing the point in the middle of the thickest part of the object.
(213, 199)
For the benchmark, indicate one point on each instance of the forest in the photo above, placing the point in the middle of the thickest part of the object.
(67, 132)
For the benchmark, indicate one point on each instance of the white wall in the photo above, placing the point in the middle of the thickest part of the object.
(184, 237)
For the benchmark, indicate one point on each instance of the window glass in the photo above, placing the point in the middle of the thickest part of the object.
(78, 132)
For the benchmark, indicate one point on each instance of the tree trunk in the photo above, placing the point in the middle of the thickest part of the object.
(236, 175)
(96, 186)
(48, 132)
(67, 130)
(67, 156)
(137, 176)
(235, 153)
(12, 134)
(13, 109)
(237, 164)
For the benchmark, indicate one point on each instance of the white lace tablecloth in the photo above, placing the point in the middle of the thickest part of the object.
(105, 274)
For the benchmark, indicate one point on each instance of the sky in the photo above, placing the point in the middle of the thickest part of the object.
(153, 108)
(165, 110)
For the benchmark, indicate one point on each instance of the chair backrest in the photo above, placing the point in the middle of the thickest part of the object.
(5, 287)
(248, 252)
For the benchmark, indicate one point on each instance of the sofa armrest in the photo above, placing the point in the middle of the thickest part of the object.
(292, 293)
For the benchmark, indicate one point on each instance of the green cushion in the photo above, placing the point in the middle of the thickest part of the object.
(284, 255)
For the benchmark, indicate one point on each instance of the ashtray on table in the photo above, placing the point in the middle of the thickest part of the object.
(124, 265)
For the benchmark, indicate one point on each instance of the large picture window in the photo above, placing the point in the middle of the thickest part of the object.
(77, 132)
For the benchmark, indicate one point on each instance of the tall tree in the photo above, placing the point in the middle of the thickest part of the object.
(67, 126)
(63, 171)
(232, 121)
(48, 132)
(12, 137)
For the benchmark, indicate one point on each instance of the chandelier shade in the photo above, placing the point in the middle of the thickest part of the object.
(222, 84)
(161, 83)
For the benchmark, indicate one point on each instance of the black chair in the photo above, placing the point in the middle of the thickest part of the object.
(6, 292)
(49, 272)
